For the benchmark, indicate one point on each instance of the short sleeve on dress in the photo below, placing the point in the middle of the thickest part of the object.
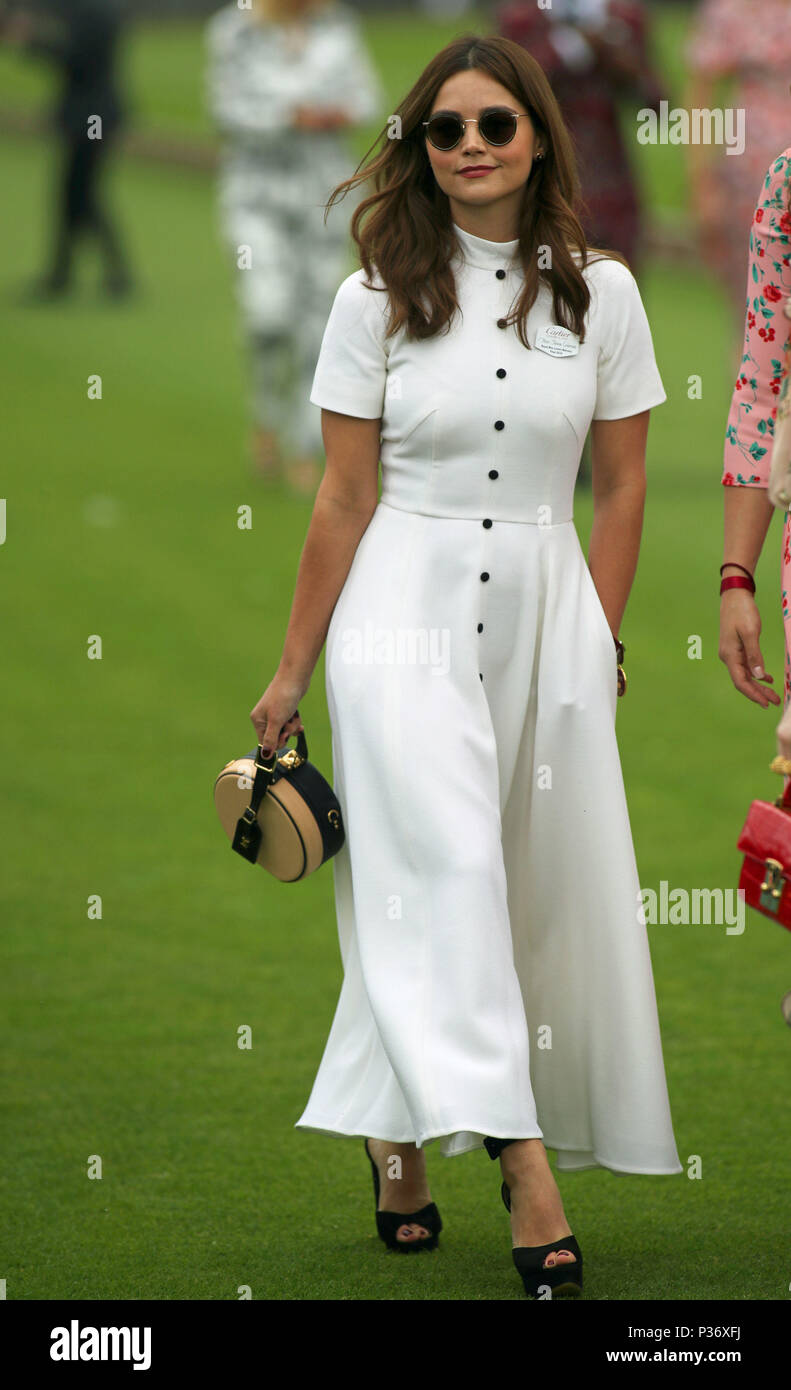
(351, 372)
(628, 379)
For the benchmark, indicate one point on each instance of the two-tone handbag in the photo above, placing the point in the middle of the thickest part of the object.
(282, 814)
(766, 843)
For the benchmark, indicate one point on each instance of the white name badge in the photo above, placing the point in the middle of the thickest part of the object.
(557, 341)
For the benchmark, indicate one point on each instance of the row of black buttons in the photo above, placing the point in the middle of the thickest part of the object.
(498, 425)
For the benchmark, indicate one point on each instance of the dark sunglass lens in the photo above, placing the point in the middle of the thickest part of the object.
(444, 131)
(498, 127)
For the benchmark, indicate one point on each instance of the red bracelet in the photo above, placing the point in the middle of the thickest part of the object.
(734, 564)
(737, 581)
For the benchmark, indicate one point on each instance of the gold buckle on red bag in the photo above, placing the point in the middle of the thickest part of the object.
(772, 885)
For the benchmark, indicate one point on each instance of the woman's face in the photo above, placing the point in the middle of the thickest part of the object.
(468, 94)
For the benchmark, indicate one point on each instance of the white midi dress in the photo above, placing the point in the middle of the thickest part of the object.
(497, 975)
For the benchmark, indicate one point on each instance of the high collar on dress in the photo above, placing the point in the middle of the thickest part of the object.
(488, 255)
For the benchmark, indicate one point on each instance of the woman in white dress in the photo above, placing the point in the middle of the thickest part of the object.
(497, 984)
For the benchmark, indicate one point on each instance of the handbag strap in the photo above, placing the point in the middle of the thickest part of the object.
(265, 772)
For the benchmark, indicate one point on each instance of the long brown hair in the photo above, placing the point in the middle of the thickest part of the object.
(408, 235)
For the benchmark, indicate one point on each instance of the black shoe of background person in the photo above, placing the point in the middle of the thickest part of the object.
(43, 290)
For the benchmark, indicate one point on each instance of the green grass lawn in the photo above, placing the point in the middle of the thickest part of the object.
(120, 1033)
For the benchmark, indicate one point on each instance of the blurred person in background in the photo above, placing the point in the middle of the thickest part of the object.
(594, 52)
(748, 42)
(81, 38)
(748, 447)
(286, 80)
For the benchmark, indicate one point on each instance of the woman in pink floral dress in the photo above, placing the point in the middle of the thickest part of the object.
(748, 42)
(749, 436)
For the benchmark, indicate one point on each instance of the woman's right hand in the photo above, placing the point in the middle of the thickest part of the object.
(276, 716)
(740, 629)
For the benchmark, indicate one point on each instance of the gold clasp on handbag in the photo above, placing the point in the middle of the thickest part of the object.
(772, 885)
(290, 759)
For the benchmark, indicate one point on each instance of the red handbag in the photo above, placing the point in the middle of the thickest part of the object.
(766, 842)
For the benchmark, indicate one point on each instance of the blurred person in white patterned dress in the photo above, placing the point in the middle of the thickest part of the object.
(287, 79)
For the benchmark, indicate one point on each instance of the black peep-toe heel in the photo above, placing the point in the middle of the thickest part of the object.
(389, 1222)
(563, 1280)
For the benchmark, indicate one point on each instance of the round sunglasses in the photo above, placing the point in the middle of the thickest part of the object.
(498, 127)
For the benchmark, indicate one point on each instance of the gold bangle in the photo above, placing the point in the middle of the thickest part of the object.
(781, 764)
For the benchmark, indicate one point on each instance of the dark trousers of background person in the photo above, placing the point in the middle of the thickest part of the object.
(80, 209)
